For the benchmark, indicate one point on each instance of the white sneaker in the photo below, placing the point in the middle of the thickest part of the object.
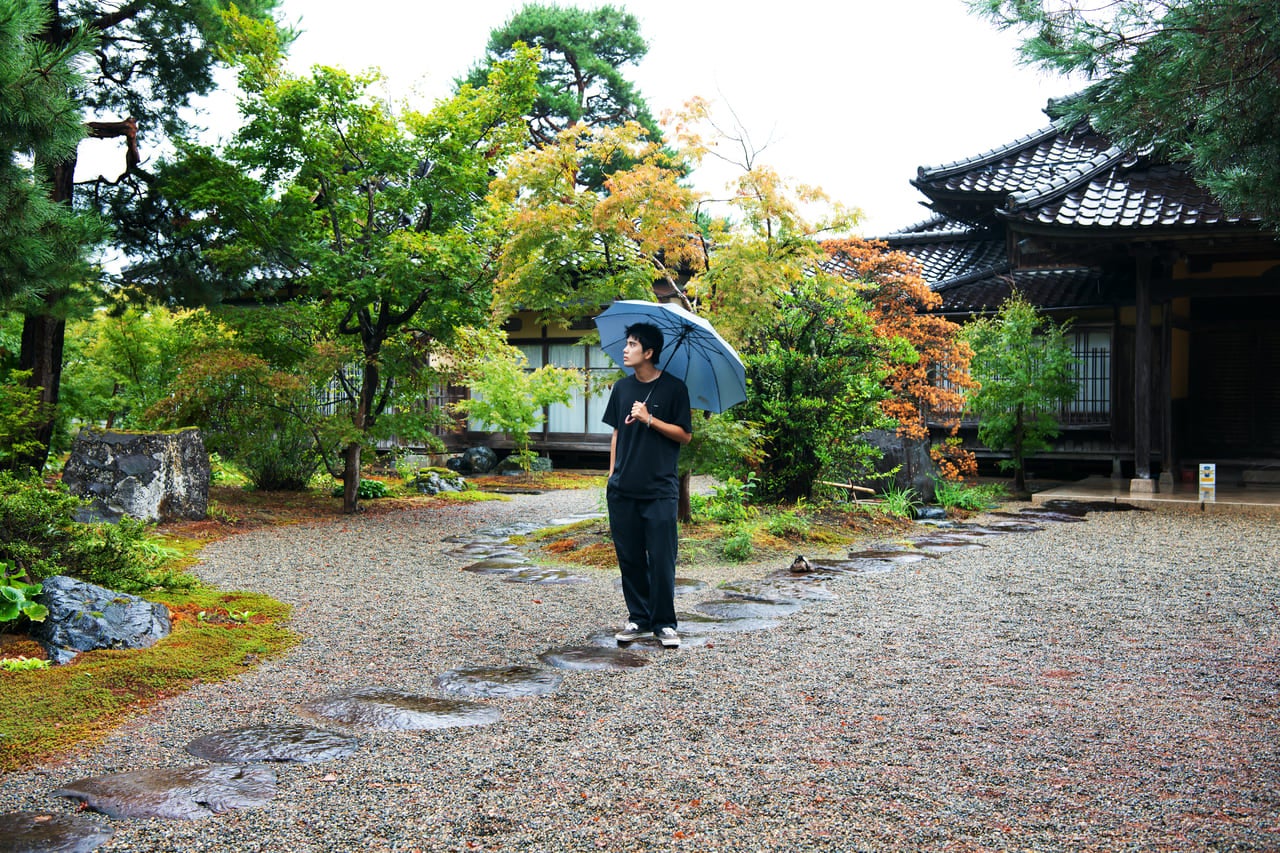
(630, 633)
(669, 638)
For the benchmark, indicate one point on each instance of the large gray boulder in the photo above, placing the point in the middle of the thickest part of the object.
(83, 617)
(916, 470)
(153, 476)
(474, 460)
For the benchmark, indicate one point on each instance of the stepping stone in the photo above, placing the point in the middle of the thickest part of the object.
(1011, 526)
(807, 587)
(689, 639)
(684, 586)
(945, 544)
(395, 710)
(699, 624)
(837, 568)
(742, 608)
(176, 793)
(899, 556)
(516, 528)
(592, 658)
(496, 566)
(484, 552)
(475, 539)
(504, 682)
(36, 832)
(294, 742)
(545, 575)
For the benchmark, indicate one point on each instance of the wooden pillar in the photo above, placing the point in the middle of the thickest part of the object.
(1168, 461)
(1142, 481)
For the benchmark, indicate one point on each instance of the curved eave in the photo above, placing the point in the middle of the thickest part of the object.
(925, 174)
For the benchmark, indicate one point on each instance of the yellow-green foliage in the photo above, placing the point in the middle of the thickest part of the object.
(47, 712)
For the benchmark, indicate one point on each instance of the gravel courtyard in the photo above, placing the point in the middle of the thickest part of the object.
(1106, 685)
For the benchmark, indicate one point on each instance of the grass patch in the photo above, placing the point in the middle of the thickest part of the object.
(470, 496)
(46, 712)
(774, 532)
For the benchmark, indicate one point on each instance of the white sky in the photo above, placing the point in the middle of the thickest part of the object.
(850, 95)
(855, 94)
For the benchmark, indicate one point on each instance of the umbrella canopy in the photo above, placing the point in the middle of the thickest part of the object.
(692, 350)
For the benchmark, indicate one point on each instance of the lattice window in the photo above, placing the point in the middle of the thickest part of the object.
(1092, 373)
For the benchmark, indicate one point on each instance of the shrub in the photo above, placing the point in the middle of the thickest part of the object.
(39, 538)
(738, 545)
(954, 495)
(791, 524)
(367, 490)
(729, 501)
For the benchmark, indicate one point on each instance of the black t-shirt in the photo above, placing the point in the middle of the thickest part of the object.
(644, 465)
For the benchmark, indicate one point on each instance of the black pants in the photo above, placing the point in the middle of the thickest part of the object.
(646, 536)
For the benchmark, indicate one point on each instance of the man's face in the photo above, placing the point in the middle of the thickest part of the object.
(633, 355)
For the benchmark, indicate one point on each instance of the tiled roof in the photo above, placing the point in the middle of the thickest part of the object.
(1046, 289)
(1050, 156)
(1073, 177)
(1124, 195)
(944, 261)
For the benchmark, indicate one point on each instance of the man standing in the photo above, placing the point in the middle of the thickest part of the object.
(651, 421)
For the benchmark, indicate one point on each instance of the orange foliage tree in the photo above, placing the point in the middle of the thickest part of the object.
(934, 385)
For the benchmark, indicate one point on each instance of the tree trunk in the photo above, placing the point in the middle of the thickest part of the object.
(42, 342)
(685, 510)
(351, 478)
(1020, 491)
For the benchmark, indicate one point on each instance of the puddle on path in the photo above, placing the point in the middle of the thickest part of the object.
(504, 682)
(253, 744)
(395, 710)
(44, 832)
(175, 793)
(592, 658)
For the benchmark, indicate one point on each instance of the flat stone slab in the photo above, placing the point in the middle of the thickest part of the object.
(504, 682)
(697, 624)
(290, 742)
(592, 658)
(807, 587)
(395, 710)
(743, 608)
(44, 832)
(175, 793)
(899, 556)
(946, 544)
(496, 566)
(689, 639)
(545, 575)
(684, 586)
(484, 552)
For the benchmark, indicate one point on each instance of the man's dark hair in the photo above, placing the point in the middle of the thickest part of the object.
(649, 336)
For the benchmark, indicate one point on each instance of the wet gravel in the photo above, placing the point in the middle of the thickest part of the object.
(1106, 685)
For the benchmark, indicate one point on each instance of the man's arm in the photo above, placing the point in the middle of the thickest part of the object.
(613, 452)
(675, 432)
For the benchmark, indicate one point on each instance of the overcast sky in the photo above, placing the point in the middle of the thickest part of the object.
(853, 95)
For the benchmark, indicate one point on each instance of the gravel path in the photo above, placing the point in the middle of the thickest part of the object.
(1106, 685)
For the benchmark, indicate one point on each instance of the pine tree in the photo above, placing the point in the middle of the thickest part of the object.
(1195, 81)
